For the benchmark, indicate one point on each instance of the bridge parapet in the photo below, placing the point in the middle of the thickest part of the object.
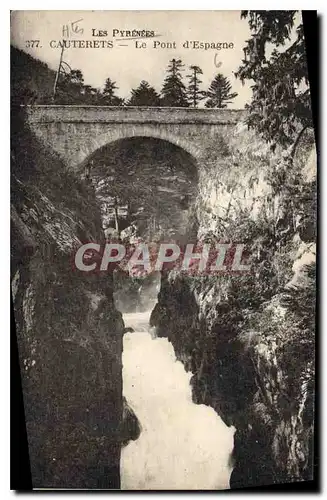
(131, 114)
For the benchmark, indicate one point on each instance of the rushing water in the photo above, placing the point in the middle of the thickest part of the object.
(182, 445)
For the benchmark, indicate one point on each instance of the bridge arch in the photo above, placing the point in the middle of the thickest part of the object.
(153, 181)
(76, 132)
(127, 132)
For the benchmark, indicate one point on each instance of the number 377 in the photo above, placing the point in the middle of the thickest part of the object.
(30, 44)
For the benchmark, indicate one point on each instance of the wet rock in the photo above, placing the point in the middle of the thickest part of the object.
(130, 428)
(249, 340)
(129, 329)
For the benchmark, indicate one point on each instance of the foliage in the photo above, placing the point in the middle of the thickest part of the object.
(108, 93)
(301, 302)
(144, 95)
(72, 90)
(219, 92)
(31, 81)
(193, 90)
(76, 77)
(173, 92)
(280, 105)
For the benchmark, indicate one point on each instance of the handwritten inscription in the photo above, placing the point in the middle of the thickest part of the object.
(73, 28)
(216, 62)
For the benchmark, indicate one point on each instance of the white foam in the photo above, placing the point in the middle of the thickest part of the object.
(182, 445)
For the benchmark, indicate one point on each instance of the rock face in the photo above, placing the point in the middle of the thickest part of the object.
(249, 339)
(69, 332)
(131, 427)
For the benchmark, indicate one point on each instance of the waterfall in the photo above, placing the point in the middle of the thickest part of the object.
(182, 445)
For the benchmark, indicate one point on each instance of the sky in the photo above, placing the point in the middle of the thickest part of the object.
(128, 65)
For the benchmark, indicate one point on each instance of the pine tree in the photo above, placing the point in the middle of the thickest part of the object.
(144, 95)
(193, 91)
(280, 108)
(219, 92)
(173, 91)
(108, 94)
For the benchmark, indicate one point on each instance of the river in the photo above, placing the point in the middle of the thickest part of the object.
(182, 445)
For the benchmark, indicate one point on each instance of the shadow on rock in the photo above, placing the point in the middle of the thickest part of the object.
(131, 427)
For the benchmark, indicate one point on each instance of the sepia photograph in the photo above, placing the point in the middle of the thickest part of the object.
(163, 202)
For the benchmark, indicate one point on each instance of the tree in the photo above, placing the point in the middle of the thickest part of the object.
(91, 95)
(173, 91)
(280, 107)
(193, 91)
(144, 95)
(71, 88)
(219, 92)
(109, 97)
(76, 77)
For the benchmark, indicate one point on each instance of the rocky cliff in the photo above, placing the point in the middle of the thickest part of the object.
(249, 339)
(69, 332)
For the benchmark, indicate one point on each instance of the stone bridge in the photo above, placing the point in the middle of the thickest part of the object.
(76, 132)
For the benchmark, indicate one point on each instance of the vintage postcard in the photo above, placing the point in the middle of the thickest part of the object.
(163, 229)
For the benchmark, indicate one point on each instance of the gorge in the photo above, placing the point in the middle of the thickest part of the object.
(235, 335)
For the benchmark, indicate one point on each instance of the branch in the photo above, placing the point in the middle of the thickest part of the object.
(297, 142)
